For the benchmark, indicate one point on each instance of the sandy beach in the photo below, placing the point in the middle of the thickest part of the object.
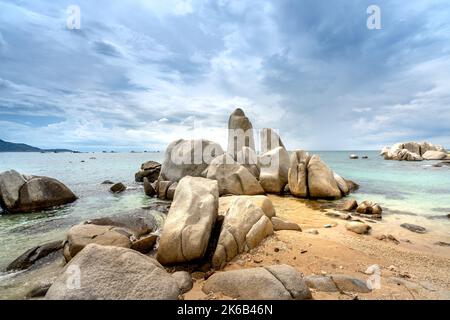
(415, 268)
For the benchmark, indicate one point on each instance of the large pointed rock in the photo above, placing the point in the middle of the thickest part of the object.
(274, 168)
(112, 273)
(233, 178)
(244, 227)
(240, 133)
(191, 217)
(298, 174)
(188, 158)
(321, 182)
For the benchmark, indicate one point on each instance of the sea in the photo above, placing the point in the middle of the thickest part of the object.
(401, 188)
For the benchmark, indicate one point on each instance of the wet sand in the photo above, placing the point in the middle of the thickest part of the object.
(413, 268)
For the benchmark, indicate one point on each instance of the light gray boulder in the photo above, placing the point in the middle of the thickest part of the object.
(270, 140)
(10, 183)
(244, 227)
(262, 202)
(280, 282)
(232, 178)
(188, 158)
(274, 169)
(434, 155)
(113, 273)
(190, 220)
(321, 181)
(298, 174)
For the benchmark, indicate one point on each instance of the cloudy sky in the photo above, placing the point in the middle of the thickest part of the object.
(139, 74)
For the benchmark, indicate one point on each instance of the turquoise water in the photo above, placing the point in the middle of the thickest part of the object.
(400, 187)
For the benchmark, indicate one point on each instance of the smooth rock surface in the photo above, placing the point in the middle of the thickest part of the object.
(188, 158)
(280, 282)
(232, 178)
(112, 273)
(274, 169)
(262, 202)
(190, 220)
(321, 182)
(279, 224)
(244, 227)
(298, 174)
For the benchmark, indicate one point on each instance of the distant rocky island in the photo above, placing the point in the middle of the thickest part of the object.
(414, 151)
(6, 146)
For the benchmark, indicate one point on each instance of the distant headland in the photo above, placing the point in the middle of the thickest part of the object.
(6, 146)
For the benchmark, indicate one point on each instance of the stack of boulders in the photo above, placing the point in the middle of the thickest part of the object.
(241, 171)
(149, 170)
(21, 193)
(366, 209)
(414, 151)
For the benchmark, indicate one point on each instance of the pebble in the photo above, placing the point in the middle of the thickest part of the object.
(327, 226)
(313, 231)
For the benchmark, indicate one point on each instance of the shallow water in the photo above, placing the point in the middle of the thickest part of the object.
(414, 188)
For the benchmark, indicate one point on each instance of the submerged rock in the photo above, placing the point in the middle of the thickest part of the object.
(112, 273)
(118, 188)
(280, 282)
(188, 225)
(31, 256)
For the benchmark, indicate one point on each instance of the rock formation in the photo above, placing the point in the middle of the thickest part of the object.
(20, 193)
(188, 158)
(240, 133)
(413, 151)
(188, 225)
(244, 227)
(113, 273)
(279, 282)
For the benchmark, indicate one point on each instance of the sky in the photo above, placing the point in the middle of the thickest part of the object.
(140, 74)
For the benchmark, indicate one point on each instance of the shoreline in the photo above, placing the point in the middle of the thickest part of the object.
(412, 269)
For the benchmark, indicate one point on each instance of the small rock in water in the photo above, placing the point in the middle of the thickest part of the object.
(118, 188)
(413, 228)
(365, 157)
(354, 157)
(107, 182)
